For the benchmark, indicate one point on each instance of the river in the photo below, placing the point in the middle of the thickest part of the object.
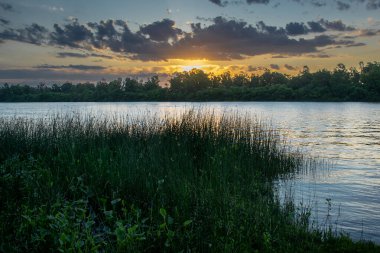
(344, 134)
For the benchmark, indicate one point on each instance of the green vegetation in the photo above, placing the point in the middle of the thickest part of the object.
(341, 84)
(192, 183)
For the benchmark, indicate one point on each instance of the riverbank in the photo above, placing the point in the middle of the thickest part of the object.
(339, 85)
(191, 183)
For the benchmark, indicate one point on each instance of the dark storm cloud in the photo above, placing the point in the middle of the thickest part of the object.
(75, 67)
(161, 30)
(222, 40)
(6, 6)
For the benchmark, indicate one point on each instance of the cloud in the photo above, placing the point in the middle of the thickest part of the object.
(55, 8)
(6, 6)
(70, 35)
(75, 67)
(295, 28)
(254, 69)
(223, 39)
(80, 55)
(343, 6)
(51, 75)
(323, 25)
(316, 27)
(4, 21)
(73, 55)
(225, 3)
(289, 67)
(315, 3)
(33, 34)
(321, 55)
(358, 44)
(30, 75)
(337, 25)
(373, 4)
(279, 57)
(368, 33)
(275, 66)
(161, 30)
(257, 1)
(218, 2)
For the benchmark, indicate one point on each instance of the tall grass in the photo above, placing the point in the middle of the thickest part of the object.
(191, 183)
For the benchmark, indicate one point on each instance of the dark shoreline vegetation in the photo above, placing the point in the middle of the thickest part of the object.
(191, 183)
(341, 84)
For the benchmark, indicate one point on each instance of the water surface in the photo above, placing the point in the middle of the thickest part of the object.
(347, 134)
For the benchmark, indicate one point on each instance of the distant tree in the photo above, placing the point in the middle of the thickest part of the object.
(241, 80)
(152, 83)
(190, 82)
(226, 79)
(340, 84)
(66, 87)
(370, 76)
(216, 80)
(254, 81)
(131, 85)
(55, 88)
(271, 78)
(41, 86)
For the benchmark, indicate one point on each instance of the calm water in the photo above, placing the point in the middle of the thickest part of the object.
(346, 133)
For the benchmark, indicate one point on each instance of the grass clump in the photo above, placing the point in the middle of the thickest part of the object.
(192, 183)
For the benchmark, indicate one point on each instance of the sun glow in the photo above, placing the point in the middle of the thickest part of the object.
(190, 67)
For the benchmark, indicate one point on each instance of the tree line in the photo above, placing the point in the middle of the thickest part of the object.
(340, 84)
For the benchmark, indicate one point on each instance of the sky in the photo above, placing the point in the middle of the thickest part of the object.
(81, 40)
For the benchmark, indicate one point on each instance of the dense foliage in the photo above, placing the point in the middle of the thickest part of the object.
(195, 183)
(341, 84)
